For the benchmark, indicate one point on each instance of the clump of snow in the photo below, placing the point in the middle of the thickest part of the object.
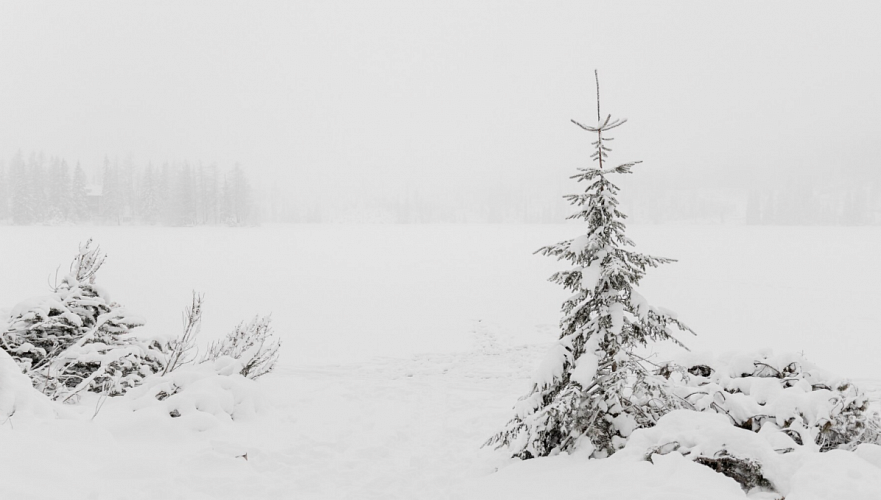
(578, 244)
(616, 312)
(591, 274)
(639, 304)
(667, 312)
(551, 367)
(586, 368)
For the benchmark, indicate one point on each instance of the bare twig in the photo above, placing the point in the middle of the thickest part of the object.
(181, 347)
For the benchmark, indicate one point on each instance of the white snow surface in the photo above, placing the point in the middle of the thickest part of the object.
(591, 275)
(405, 348)
(17, 397)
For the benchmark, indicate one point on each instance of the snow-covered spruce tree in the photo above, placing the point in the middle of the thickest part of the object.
(593, 390)
(77, 338)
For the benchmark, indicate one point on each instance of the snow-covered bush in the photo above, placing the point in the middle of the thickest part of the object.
(593, 390)
(218, 387)
(764, 460)
(250, 345)
(780, 393)
(76, 338)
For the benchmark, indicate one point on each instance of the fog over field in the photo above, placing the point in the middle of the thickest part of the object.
(389, 111)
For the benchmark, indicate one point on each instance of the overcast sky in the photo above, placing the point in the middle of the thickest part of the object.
(453, 95)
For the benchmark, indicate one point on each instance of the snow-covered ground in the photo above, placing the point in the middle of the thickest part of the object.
(405, 347)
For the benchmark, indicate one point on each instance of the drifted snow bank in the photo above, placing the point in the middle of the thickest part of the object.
(183, 435)
(201, 396)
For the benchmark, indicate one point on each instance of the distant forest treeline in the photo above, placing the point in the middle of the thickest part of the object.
(40, 190)
(802, 203)
(646, 203)
(49, 191)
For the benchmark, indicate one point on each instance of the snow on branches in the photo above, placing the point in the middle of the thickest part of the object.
(748, 417)
(180, 349)
(77, 339)
(593, 388)
(784, 394)
(251, 347)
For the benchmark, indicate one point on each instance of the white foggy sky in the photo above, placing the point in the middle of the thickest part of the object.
(370, 96)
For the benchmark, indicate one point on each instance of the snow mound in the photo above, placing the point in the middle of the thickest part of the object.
(198, 396)
(614, 478)
(18, 398)
(708, 437)
(833, 475)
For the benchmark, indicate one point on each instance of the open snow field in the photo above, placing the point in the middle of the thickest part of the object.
(406, 346)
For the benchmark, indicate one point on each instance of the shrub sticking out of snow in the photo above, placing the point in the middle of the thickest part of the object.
(250, 350)
(180, 349)
(251, 345)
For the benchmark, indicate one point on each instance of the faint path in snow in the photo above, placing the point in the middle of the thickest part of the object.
(394, 428)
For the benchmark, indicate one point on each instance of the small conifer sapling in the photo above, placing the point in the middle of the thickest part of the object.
(593, 390)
